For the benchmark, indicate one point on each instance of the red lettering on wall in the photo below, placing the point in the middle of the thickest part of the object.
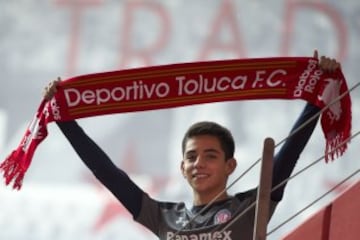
(225, 18)
(145, 54)
(76, 7)
(293, 6)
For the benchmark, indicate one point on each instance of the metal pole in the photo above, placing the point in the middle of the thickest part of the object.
(264, 190)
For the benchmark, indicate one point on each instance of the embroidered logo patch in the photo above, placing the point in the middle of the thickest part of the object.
(182, 221)
(222, 216)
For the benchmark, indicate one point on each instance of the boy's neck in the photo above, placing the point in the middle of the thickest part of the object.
(201, 199)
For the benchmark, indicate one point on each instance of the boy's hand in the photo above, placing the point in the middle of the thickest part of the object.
(327, 64)
(51, 89)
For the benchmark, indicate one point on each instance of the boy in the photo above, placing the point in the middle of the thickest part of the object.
(208, 160)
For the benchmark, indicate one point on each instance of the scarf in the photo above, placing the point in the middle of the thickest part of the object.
(185, 84)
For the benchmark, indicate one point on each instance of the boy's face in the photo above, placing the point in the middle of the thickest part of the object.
(204, 165)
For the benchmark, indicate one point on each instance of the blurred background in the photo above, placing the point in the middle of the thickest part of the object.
(41, 40)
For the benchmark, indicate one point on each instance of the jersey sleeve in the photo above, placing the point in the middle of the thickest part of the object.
(285, 159)
(113, 178)
(150, 215)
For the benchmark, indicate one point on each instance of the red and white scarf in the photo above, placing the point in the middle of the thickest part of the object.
(184, 84)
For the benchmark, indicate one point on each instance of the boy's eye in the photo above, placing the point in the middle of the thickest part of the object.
(211, 156)
(191, 157)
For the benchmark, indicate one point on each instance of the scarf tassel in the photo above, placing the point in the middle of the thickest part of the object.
(335, 147)
(13, 168)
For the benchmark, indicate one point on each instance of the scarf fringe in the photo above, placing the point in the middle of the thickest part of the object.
(333, 150)
(13, 170)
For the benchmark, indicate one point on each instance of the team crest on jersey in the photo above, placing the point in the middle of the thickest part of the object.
(222, 216)
(182, 221)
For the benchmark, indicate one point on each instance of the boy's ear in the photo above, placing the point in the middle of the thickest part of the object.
(232, 163)
(182, 168)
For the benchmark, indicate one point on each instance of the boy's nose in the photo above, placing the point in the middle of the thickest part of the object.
(199, 162)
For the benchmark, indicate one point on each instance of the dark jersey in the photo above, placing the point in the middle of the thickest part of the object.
(174, 221)
(165, 219)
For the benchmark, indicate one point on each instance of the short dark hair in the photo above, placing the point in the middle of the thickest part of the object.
(213, 129)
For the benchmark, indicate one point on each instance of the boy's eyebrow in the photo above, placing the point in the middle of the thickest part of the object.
(212, 150)
(209, 150)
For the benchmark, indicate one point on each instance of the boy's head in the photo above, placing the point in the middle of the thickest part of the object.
(213, 129)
